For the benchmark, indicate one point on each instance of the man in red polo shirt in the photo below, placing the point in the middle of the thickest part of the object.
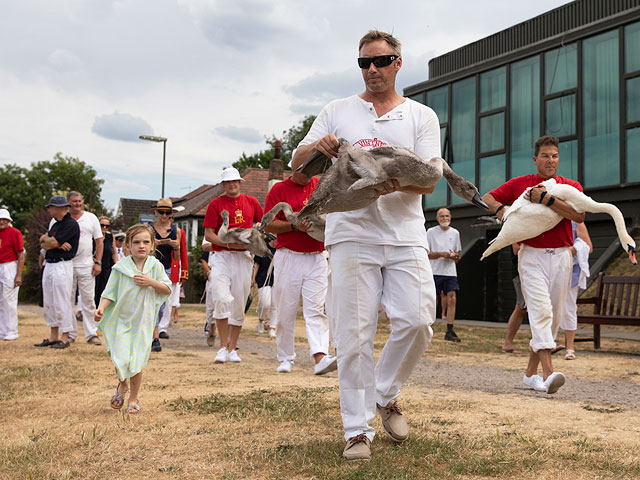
(12, 257)
(232, 264)
(544, 262)
(299, 268)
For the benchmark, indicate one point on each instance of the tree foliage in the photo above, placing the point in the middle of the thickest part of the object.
(26, 190)
(290, 140)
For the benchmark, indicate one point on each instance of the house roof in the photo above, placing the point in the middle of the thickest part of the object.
(130, 209)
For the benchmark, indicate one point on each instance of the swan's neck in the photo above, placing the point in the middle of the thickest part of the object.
(618, 220)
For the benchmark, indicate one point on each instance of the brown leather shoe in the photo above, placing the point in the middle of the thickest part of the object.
(394, 422)
(357, 448)
(94, 340)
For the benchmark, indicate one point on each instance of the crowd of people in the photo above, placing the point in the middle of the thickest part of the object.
(365, 263)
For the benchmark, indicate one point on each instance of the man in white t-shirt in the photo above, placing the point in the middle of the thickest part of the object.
(86, 265)
(444, 253)
(378, 254)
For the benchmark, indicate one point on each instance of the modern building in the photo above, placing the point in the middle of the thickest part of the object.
(573, 72)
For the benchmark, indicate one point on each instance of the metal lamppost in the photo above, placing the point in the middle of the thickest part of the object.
(152, 138)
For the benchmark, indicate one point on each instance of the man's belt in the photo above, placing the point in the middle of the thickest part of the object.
(56, 260)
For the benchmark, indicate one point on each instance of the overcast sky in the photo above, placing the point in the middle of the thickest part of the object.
(87, 77)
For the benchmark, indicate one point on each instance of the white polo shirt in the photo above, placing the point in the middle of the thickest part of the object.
(441, 240)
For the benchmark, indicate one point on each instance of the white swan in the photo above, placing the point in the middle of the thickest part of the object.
(354, 180)
(316, 222)
(250, 237)
(524, 220)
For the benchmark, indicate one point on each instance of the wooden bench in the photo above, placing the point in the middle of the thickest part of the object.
(615, 303)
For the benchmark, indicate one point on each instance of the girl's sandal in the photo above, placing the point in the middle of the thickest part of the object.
(133, 408)
(570, 355)
(117, 401)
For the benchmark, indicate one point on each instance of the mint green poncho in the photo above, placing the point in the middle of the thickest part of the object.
(128, 322)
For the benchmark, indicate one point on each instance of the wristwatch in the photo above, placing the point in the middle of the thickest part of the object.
(97, 262)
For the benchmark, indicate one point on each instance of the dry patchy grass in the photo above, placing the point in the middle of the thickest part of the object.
(246, 421)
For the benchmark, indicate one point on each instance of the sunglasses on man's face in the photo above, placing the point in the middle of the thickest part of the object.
(379, 61)
(164, 212)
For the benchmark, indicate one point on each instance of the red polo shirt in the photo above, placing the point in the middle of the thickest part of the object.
(244, 211)
(297, 196)
(10, 244)
(559, 236)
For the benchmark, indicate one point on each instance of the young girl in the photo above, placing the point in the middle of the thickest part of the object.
(138, 285)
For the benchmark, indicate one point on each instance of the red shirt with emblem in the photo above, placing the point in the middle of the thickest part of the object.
(559, 236)
(10, 244)
(244, 211)
(297, 196)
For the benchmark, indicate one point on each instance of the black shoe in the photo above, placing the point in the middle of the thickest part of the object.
(155, 345)
(60, 345)
(45, 343)
(451, 337)
(164, 335)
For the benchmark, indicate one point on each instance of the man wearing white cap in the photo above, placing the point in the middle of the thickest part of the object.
(86, 266)
(61, 245)
(232, 264)
(12, 257)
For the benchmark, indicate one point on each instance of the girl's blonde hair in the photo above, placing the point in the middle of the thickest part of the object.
(134, 230)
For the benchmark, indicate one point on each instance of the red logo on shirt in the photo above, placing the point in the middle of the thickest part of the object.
(238, 216)
(370, 143)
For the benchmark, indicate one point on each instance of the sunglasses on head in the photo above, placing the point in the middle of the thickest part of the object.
(164, 212)
(379, 61)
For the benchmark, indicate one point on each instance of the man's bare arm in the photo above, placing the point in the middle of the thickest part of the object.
(328, 145)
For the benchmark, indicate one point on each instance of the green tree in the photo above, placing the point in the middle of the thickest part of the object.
(290, 140)
(25, 190)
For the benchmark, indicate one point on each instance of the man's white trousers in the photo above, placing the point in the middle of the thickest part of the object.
(544, 275)
(297, 274)
(363, 277)
(8, 301)
(85, 282)
(57, 282)
(231, 282)
(172, 300)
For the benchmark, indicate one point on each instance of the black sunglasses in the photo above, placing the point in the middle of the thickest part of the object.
(379, 61)
(105, 225)
(164, 212)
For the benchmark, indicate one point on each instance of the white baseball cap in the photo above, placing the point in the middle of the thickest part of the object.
(230, 174)
(4, 213)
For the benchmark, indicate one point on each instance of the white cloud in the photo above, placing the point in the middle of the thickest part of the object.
(121, 126)
(241, 134)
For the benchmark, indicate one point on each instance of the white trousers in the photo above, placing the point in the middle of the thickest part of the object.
(172, 299)
(209, 300)
(8, 301)
(57, 282)
(231, 274)
(297, 274)
(544, 275)
(85, 282)
(569, 320)
(264, 302)
(363, 277)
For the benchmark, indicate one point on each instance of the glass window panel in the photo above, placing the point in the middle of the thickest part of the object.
(633, 99)
(633, 147)
(418, 97)
(463, 130)
(492, 173)
(493, 89)
(632, 47)
(525, 114)
(561, 69)
(443, 133)
(568, 166)
(438, 99)
(438, 198)
(601, 110)
(492, 132)
(561, 116)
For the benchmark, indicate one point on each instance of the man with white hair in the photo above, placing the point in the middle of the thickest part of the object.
(61, 245)
(12, 257)
(86, 266)
(232, 264)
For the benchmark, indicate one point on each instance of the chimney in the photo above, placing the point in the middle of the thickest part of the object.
(275, 165)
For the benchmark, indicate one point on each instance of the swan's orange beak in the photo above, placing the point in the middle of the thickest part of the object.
(632, 255)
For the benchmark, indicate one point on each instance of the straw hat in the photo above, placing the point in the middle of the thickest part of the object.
(164, 203)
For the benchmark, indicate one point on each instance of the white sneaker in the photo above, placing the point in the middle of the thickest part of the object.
(234, 357)
(222, 356)
(554, 382)
(260, 327)
(284, 367)
(534, 382)
(326, 365)
(272, 333)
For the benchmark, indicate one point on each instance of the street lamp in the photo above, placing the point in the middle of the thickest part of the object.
(152, 138)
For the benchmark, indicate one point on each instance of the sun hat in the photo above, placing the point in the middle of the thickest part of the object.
(120, 236)
(164, 203)
(4, 213)
(230, 174)
(57, 201)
